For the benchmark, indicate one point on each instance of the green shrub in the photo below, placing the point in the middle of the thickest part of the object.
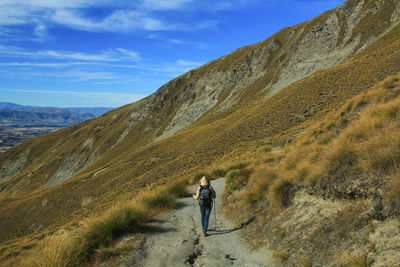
(177, 189)
(239, 165)
(162, 201)
(230, 178)
(224, 172)
(119, 221)
(219, 172)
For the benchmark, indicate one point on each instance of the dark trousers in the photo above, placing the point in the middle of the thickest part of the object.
(205, 216)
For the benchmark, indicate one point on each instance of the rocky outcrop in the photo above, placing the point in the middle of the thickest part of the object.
(13, 166)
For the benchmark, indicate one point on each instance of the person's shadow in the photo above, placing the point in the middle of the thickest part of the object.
(227, 231)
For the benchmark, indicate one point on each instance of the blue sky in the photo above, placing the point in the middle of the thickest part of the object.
(70, 53)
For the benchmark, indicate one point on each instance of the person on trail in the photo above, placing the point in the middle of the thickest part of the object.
(205, 195)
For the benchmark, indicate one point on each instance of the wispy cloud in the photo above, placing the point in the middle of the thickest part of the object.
(122, 16)
(166, 4)
(117, 21)
(110, 55)
(186, 63)
(51, 74)
(43, 64)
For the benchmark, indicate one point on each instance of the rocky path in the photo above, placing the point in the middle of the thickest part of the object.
(177, 239)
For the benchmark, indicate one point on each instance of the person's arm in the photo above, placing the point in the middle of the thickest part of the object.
(197, 195)
(213, 194)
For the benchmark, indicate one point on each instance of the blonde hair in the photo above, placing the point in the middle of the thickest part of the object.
(204, 181)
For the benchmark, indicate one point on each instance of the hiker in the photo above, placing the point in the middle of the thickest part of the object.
(205, 193)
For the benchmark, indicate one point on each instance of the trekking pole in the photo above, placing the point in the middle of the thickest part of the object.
(215, 215)
(192, 214)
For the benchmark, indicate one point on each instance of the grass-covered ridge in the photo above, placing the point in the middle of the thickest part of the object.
(332, 186)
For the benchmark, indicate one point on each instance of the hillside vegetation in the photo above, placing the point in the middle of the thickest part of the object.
(258, 98)
(332, 195)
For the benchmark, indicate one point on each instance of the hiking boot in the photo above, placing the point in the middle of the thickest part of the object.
(205, 234)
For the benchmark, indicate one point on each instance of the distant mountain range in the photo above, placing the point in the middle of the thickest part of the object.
(96, 111)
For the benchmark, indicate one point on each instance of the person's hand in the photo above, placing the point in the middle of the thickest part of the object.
(194, 195)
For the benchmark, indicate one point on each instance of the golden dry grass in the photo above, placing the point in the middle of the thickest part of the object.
(365, 150)
(217, 139)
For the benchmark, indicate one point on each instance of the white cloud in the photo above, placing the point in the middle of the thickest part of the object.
(110, 55)
(174, 41)
(166, 4)
(72, 75)
(186, 63)
(117, 21)
(124, 16)
(45, 64)
(41, 32)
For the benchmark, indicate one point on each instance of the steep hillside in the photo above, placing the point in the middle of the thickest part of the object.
(209, 116)
(331, 196)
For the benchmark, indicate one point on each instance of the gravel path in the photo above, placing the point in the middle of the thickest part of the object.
(177, 239)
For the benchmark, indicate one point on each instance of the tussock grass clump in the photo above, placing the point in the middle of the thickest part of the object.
(280, 192)
(280, 256)
(159, 201)
(239, 165)
(259, 184)
(77, 250)
(392, 196)
(305, 262)
(100, 233)
(166, 198)
(231, 176)
(177, 189)
(237, 178)
(383, 151)
(224, 172)
(342, 160)
(360, 260)
(59, 250)
(219, 172)
(103, 231)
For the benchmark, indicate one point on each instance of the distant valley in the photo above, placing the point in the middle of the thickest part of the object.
(19, 123)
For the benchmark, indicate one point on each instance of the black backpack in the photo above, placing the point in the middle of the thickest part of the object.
(205, 198)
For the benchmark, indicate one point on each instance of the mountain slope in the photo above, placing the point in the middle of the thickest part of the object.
(330, 197)
(208, 116)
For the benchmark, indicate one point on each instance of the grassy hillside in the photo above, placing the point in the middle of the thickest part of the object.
(82, 171)
(331, 195)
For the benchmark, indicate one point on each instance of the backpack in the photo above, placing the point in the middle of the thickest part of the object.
(205, 198)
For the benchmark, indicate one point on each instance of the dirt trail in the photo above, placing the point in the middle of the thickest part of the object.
(178, 241)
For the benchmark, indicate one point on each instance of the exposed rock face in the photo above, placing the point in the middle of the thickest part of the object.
(288, 56)
(11, 167)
